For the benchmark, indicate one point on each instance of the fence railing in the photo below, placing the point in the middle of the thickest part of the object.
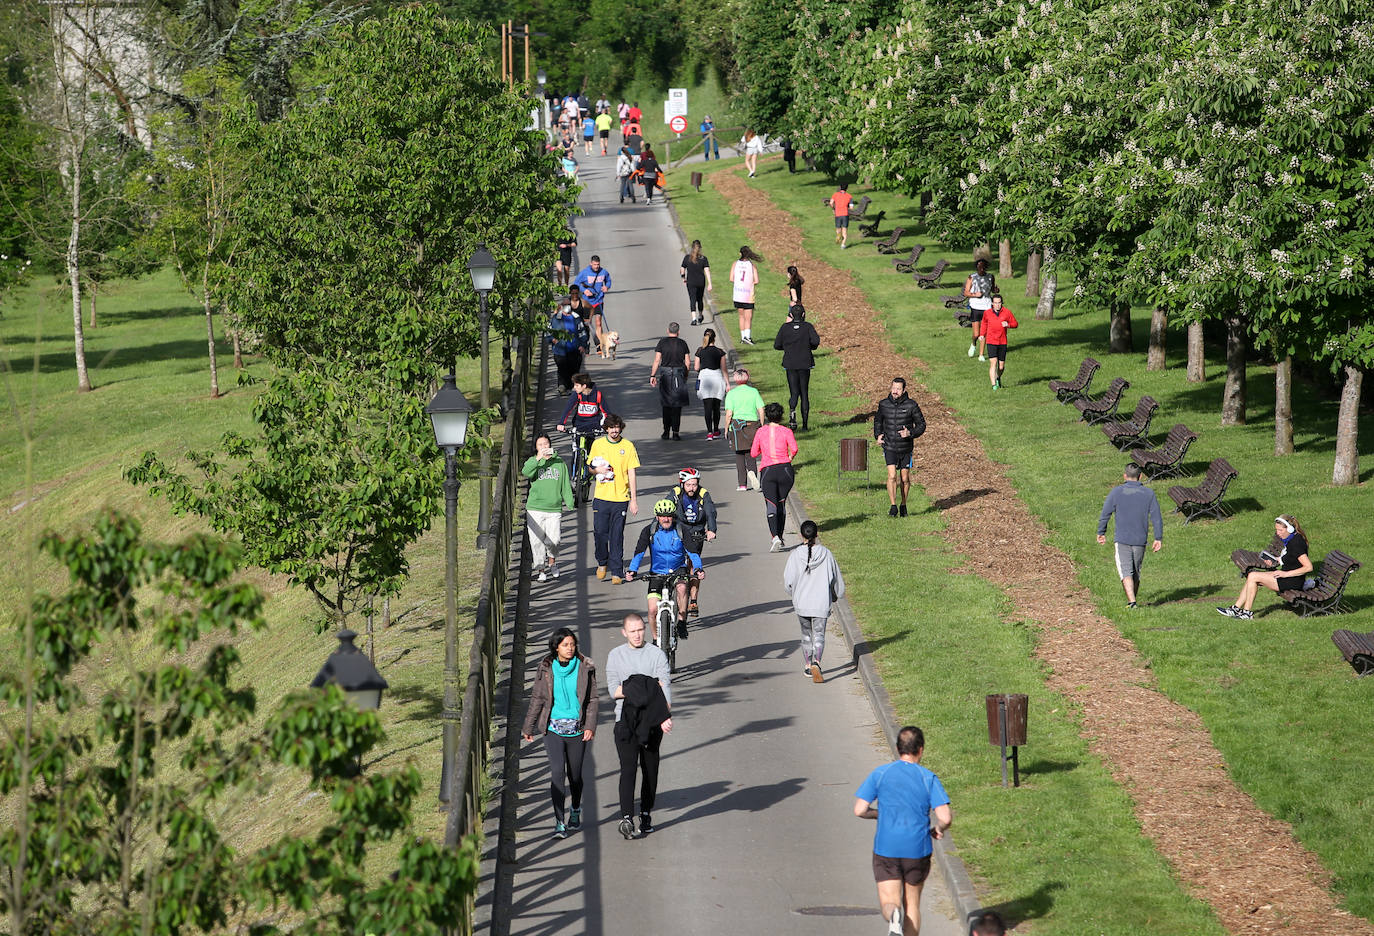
(474, 733)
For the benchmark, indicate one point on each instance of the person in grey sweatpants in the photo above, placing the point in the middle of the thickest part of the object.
(812, 578)
(1136, 508)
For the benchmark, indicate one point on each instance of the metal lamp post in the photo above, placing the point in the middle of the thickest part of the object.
(542, 78)
(448, 413)
(482, 269)
(351, 670)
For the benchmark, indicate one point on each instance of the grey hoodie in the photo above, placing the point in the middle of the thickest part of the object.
(812, 578)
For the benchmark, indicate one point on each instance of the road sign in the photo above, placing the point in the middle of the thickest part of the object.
(675, 105)
(678, 123)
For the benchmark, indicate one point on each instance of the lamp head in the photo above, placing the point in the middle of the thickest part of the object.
(351, 670)
(482, 269)
(448, 413)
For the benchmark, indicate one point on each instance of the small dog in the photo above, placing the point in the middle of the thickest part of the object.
(609, 341)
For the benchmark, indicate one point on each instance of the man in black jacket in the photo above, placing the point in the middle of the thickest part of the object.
(897, 424)
(797, 339)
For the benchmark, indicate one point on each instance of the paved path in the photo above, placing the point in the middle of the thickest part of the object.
(755, 832)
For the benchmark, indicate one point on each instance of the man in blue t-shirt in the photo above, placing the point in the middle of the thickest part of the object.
(901, 796)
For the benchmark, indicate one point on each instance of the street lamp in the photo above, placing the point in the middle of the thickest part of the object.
(482, 269)
(448, 413)
(542, 77)
(351, 670)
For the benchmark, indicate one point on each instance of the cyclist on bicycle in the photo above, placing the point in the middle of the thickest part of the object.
(586, 410)
(696, 519)
(669, 555)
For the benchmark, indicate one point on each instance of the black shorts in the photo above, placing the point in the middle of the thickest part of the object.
(744, 305)
(695, 539)
(605, 134)
(912, 871)
(997, 351)
(656, 582)
(565, 256)
(975, 315)
(841, 221)
(898, 459)
(586, 137)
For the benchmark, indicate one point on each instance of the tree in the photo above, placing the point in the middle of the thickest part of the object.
(118, 796)
(765, 45)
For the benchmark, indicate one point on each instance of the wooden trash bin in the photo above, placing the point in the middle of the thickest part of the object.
(1007, 729)
(696, 181)
(853, 457)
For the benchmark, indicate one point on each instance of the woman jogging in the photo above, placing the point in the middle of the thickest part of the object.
(696, 276)
(794, 287)
(813, 580)
(797, 340)
(978, 289)
(774, 445)
(563, 266)
(744, 277)
(743, 416)
(563, 708)
(753, 147)
(993, 331)
(648, 167)
(709, 363)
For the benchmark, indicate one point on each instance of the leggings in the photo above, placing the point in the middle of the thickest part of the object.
(672, 419)
(776, 481)
(565, 769)
(648, 190)
(799, 387)
(744, 463)
(696, 298)
(636, 757)
(712, 407)
(812, 637)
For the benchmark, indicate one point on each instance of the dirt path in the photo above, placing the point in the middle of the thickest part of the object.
(1243, 862)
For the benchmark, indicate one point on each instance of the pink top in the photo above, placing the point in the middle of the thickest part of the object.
(774, 444)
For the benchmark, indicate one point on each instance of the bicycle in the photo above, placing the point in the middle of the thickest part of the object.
(667, 619)
(582, 475)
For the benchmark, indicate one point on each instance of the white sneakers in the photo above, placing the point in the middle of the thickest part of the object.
(754, 480)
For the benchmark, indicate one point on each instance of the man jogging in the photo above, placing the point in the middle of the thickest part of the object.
(637, 678)
(840, 203)
(896, 426)
(1136, 507)
(594, 282)
(901, 796)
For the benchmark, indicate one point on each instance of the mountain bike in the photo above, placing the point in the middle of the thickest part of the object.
(668, 617)
(582, 475)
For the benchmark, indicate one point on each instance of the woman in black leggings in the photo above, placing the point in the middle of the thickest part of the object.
(797, 339)
(696, 276)
(563, 706)
(709, 364)
(774, 446)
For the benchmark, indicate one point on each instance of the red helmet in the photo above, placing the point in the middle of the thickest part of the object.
(689, 474)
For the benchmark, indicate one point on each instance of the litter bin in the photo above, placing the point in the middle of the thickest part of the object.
(853, 457)
(1007, 728)
(696, 181)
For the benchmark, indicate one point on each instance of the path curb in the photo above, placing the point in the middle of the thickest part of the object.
(957, 879)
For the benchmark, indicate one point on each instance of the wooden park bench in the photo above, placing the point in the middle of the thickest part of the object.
(857, 209)
(932, 279)
(1325, 597)
(963, 318)
(1132, 432)
(1205, 499)
(908, 263)
(1167, 460)
(1069, 390)
(1093, 410)
(954, 301)
(1358, 650)
(889, 244)
(871, 228)
(1250, 560)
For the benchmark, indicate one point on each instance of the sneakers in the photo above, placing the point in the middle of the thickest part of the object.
(693, 610)
(816, 676)
(560, 831)
(646, 824)
(696, 321)
(892, 511)
(677, 437)
(1229, 612)
(742, 487)
(617, 580)
(844, 246)
(792, 423)
(754, 480)
(894, 926)
(983, 358)
(746, 339)
(664, 436)
(777, 544)
(1236, 612)
(681, 629)
(574, 819)
(972, 350)
(901, 511)
(627, 828)
(554, 570)
(542, 576)
(601, 572)
(1130, 605)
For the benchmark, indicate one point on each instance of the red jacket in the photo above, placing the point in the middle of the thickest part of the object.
(994, 327)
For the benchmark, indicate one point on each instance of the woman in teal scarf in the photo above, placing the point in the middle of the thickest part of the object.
(563, 708)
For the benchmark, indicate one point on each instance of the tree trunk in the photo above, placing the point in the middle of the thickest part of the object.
(1004, 258)
(1159, 325)
(1233, 396)
(210, 336)
(1283, 406)
(1033, 275)
(83, 377)
(234, 335)
(1119, 335)
(983, 252)
(1348, 428)
(1197, 362)
(90, 291)
(1044, 309)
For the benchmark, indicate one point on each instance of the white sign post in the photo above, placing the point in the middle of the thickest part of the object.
(675, 105)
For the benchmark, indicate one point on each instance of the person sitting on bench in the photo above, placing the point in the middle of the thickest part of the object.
(1288, 570)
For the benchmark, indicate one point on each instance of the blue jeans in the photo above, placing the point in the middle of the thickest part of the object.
(627, 190)
(708, 141)
(609, 534)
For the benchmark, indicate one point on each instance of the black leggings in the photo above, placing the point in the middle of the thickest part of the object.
(776, 481)
(643, 758)
(565, 769)
(672, 419)
(696, 296)
(712, 414)
(799, 388)
(648, 190)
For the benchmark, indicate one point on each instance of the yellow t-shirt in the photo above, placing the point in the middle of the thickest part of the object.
(613, 461)
(603, 121)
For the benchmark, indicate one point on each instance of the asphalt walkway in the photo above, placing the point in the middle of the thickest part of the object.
(754, 825)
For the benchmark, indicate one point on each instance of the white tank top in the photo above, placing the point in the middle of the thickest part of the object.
(744, 281)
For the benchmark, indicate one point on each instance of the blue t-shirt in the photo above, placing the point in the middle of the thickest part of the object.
(589, 127)
(905, 793)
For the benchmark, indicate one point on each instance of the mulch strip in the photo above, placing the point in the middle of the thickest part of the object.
(1247, 865)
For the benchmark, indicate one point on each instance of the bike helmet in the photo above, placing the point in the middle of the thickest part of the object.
(688, 474)
(665, 508)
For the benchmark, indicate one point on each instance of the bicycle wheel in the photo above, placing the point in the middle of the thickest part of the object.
(667, 631)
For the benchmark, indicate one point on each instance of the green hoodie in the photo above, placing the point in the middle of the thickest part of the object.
(550, 484)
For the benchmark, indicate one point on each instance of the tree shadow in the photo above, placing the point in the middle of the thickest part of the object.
(1033, 906)
(1196, 593)
(425, 705)
(105, 361)
(963, 497)
(747, 799)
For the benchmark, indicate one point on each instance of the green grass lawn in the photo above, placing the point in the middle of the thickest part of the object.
(61, 458)
(1283, 708)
